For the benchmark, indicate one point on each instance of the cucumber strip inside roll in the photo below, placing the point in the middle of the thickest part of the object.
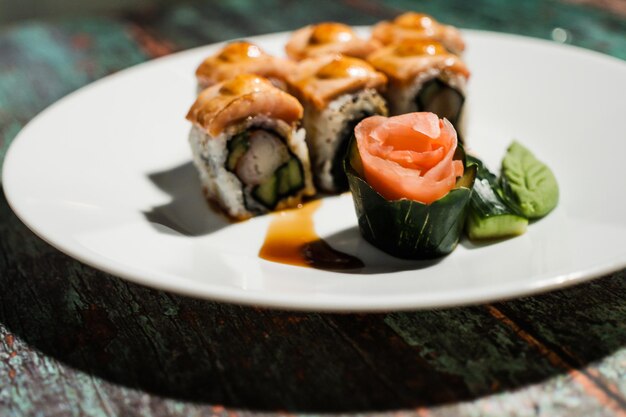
(263, 163)
(287, 180)
(237, 146)
(438, 97)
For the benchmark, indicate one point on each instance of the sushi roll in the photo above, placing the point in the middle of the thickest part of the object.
(418, 26)
(337, 93)
(423, 77)
(242, 57)
(248, 147)
(328, 38)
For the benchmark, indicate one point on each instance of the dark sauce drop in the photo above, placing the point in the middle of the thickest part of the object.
(291, 239)
(319, 254)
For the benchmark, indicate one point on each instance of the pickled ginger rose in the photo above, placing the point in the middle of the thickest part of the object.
(409, 156)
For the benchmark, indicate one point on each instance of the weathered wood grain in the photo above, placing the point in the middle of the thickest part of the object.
(85, 339)
(200, 23)
(600, 309)
(616, 6)
(75, 341)
(194, 24)
(40, 63)
(587, 27)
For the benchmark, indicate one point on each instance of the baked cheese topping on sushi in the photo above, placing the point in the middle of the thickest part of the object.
(242, 57)
(418, 26)
(423, 77)
(327, 38)
(248, 147)
(337, 92)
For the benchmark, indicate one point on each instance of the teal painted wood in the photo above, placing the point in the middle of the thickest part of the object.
(196, 24)
(585, 26)
(42, 62)
(75, 341)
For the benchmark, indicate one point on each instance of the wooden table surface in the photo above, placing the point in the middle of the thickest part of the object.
(78, 342)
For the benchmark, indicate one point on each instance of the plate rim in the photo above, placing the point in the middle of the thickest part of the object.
(327, 303)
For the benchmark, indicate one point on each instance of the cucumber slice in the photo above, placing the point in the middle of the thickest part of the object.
(494, 227)
(286, 181)
(266, 193)
(490, 217)
(438, 97)
(237, 146)
(290, 177)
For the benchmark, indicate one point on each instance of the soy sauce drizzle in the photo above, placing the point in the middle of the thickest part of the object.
(291, 240)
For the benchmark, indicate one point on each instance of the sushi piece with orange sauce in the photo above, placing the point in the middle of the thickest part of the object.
(423, 77)
(249, 148)
(242, 57)
(419, 26)
(328, 38)
(337, 92)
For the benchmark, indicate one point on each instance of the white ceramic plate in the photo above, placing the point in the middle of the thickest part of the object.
(105, 176)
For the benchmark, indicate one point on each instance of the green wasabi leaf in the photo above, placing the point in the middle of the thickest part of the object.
(528, 184)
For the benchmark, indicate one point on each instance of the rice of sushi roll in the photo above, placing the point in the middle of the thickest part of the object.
(337, 93)
(242, 57)
(418, 26)
(423, 77)
(248, 147)
(328, 38)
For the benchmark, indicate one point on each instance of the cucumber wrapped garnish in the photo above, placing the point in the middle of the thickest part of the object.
(414, 189)
(410, 184)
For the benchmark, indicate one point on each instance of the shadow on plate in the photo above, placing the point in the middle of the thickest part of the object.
(188, 213)
(350, 241)
(198, 352)
(477, 244)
